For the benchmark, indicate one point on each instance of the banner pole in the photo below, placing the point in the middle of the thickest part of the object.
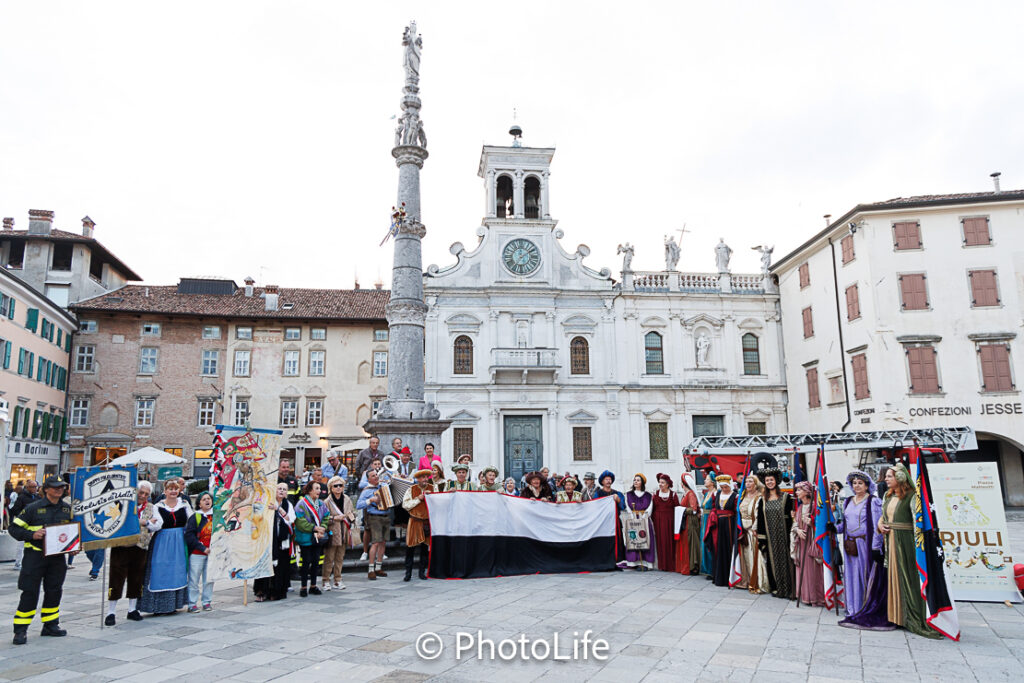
(245, 592)
(103, 579)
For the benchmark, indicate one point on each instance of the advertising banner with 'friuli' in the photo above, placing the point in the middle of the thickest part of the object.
(968, 504)
(243, 482)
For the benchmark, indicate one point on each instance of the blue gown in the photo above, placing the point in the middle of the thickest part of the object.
(705, 557)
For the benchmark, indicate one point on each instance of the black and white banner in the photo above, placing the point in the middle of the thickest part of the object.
(480, 534)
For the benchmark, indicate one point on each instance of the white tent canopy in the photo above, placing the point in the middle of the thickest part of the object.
(148, 456)
(358, 444)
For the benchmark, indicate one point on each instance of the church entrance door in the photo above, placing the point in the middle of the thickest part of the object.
(523, 445)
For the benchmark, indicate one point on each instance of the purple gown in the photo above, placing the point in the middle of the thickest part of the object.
(641, 504)
(858, 522)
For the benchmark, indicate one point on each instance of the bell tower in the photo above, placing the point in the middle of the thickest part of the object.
(516, 180)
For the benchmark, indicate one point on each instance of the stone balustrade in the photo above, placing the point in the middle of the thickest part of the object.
(696, 283)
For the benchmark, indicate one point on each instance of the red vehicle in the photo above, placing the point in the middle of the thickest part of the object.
(868, 451)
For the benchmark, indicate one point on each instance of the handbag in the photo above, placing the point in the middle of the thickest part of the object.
(850, 546)
(635, 536)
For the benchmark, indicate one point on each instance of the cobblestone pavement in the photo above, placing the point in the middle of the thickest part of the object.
(659, 627)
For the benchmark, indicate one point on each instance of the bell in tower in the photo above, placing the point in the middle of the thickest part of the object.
(516, 179)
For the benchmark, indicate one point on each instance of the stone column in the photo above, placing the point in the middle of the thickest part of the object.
(545, 209)
(517, 195)
(491, 210)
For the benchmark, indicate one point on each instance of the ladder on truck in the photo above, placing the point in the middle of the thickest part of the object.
(949, 439)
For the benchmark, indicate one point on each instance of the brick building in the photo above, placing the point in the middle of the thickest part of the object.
(161, 365)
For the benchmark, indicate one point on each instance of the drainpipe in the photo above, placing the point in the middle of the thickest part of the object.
(842, 347)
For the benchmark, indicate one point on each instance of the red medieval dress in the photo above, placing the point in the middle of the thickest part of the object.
(663, 516)
(688, 536)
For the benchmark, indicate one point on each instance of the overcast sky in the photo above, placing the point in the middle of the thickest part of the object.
(254, 138)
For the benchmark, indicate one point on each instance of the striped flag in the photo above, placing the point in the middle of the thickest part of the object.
(940, 610)
(736, 574)
(823, 517)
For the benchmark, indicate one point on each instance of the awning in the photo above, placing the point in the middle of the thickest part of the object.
(357, 445)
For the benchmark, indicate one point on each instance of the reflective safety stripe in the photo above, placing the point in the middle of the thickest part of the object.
(20, 522)
(29, 546)
(49, 617)
(50, 610)
(23, 618)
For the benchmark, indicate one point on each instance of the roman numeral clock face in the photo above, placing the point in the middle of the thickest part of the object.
(521, 257)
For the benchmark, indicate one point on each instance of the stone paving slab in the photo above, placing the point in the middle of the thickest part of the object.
(659, 627)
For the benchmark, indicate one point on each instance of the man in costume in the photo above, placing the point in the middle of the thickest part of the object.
(535, 488)
(461, 481)
(569, 494)
(607, 478)
(589, 486)
(490, 479)
(418, 529)
(721, 530)
(29, 527)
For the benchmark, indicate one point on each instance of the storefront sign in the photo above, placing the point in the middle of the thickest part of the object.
(165, 473)
(972, 525)
(995, 408)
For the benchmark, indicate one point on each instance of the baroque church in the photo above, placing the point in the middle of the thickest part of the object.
(540, 360)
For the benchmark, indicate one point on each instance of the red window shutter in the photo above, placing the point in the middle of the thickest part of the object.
(995, 367)
(914, 292)
(924, 372)
(907, 235)
(847, 245)
(813, 398)
(808, 323)
(852, 303)
(976, 232)
(984, 289)
(860, 376)
(805, 275)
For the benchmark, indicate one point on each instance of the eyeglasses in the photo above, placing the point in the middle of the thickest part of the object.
(336, 486)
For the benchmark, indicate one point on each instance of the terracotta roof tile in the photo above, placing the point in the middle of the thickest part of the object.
(65, 236)
(307, 304)
(952, 198)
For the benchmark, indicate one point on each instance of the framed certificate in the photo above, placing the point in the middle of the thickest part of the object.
(62, 538)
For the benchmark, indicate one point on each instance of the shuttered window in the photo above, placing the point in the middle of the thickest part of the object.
(847, 244)
(984, 288)
(924, 371)
(995, 367)
(805, 276)
(913, 292)
(813, 397)
(906, 235)
(808, 322)
(860, 376)
(852, 303)
(976, 232)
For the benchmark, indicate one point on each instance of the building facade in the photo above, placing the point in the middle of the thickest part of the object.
(161, 366)
(65, 266)
(908, 313)
(539, 360)
(35, 337)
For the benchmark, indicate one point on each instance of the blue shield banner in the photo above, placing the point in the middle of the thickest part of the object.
(103, 502)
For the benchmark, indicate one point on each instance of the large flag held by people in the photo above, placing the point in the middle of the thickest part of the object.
(482, 534)
(736, 573)
(824, 522)
(940, 610)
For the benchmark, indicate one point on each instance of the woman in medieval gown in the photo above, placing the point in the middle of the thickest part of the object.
(165, 588)
(810, 581)
(720, 535)
(664, 516)
(688, 540)
(638, 503)
(774, 521)
(753, 573)
(606, 480)
(705, 512)
(856, 522)
(895, 598)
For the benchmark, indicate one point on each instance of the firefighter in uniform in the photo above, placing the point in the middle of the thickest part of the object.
(36, 568)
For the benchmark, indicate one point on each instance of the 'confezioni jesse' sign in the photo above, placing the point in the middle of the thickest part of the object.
(1009, 408)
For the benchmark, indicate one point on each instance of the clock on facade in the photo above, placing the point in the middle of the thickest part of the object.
(521, 257)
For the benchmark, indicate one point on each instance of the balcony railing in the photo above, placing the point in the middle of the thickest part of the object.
(695, 283)
(525, 358)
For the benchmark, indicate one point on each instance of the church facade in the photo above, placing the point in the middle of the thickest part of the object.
(539, 360)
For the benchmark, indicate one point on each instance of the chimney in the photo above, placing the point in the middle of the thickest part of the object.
(828, 219)
(270, 298)
(378, 285)
(995, 180)
(356, 284)
(249, 282)
(40, 222)
(87, 226)
(8, 224)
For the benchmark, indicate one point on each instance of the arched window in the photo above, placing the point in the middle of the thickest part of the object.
(503, 194)
(653, 355)
(751, 355)
(579, 356)
(463, 356)
(531, 197)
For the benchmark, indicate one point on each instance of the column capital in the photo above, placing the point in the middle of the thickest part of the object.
(409, 154)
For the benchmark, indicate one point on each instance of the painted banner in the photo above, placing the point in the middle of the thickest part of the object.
(243, 482)
(968, 503)
(103, 502)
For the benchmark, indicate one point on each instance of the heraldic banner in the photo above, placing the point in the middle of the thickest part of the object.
(243, 482)
(103, 502)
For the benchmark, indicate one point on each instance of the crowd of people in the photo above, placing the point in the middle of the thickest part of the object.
(766, 530)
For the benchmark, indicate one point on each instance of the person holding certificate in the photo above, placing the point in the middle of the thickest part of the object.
(37, 567)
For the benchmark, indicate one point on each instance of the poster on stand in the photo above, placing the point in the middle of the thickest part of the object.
(968, 504)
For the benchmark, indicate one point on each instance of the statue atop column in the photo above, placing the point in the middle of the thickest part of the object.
(413, 47)
(672, 253)
(627, 258)
(766, 257)
(722, 255)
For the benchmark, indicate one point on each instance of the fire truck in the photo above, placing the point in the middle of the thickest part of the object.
(844, 451)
